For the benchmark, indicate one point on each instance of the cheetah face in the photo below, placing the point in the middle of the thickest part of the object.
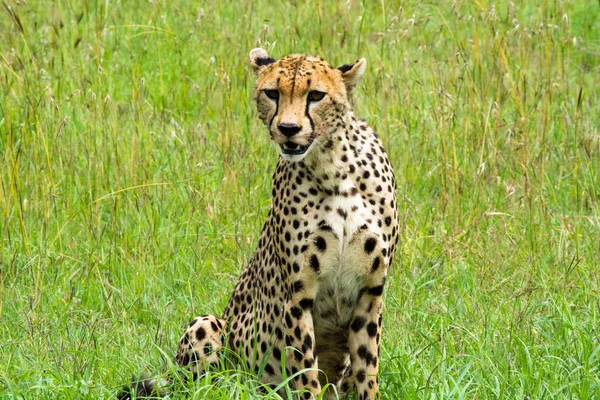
(299, 98)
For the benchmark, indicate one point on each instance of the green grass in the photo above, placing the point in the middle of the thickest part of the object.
(134, 180)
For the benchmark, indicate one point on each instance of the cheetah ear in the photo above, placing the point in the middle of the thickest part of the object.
(259, 58)
(351, 73)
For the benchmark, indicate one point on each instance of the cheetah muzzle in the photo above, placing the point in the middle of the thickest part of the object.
(311, 296)
(292, 148)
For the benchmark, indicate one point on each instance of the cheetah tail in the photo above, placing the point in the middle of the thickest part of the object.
(145, 387)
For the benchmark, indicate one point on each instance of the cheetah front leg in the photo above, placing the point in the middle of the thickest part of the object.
(300, 333)
(365, 327)
(200, 343)
(300, 347)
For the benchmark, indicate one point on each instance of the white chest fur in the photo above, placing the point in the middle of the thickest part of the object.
(343, 266)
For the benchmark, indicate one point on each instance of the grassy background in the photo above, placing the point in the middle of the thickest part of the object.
(134, 179)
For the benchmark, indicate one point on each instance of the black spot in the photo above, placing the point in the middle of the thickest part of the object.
(185, 340)
(370, 307)
(269, 369)
(304, 379)
(296, 312)
(371, 359)
(370, 245)
(375, 265)
(375, 291)
(298, 286)
(372, 329)
(358, 323)
(200, 334)
(308, 342)
(321, 244)
(362, 351)
(306, 304)
(207, 348)
(276, 353)
(388, 221)
(185, 360)
(342, 213)
(314, 263)
(195, 358)
(360, 376)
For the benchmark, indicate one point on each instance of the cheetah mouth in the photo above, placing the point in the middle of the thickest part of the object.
(294, 149)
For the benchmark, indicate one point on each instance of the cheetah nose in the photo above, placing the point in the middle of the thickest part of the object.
(289, 130)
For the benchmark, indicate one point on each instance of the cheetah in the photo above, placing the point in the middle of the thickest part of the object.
(309, 303)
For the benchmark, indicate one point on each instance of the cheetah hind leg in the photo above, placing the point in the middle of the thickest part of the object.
(200, 344)
(197, 351)
(145, 387)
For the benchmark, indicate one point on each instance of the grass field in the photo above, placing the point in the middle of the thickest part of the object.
(135, 178)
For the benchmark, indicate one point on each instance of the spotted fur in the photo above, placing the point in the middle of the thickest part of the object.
(312, 292)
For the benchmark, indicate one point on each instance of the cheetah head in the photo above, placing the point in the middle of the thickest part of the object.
(301, 99)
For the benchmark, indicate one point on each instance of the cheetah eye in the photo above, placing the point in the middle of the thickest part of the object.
(272, 94)
(316, 95)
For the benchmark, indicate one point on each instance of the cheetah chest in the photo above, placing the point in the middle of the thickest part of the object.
(346, 244)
